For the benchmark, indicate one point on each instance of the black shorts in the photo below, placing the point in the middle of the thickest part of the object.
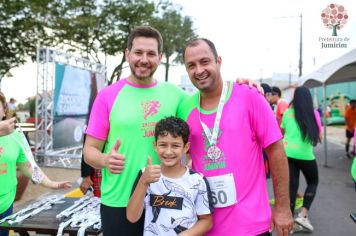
(115, 223)
(349, 134)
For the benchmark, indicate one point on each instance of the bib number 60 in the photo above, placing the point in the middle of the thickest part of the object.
(219, 197)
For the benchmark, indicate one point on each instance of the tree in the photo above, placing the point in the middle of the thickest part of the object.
(21, 28)
(94, 29)
(176, 31)
(119, 18)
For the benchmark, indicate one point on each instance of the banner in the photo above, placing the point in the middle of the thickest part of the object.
(74, 93)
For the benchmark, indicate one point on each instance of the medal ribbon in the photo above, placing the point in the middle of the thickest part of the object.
(213, 137)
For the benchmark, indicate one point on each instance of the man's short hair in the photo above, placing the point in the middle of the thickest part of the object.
(276, 91)
(148, 32)
(173, 126)
(196, 41)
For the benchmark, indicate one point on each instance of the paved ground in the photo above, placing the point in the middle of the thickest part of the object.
(335, 200)
(336, 196)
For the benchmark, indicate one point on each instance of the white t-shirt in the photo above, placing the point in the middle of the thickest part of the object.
(172, 205)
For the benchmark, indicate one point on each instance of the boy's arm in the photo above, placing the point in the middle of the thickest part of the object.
(136, 203)
(151, 174)
(203, 225)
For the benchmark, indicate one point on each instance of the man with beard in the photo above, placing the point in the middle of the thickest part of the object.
(122, 121)
(230, 124)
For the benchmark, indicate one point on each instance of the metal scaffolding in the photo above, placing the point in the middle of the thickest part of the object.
(44, 152)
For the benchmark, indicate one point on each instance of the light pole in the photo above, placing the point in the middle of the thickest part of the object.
(301, 46)
(300, 64)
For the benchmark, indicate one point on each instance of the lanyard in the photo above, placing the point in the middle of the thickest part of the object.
(37, 176)
(213, 137)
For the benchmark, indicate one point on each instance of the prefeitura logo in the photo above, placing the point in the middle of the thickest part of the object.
(334, 17)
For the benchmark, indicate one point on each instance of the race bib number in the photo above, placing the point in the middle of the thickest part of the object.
(223, 190)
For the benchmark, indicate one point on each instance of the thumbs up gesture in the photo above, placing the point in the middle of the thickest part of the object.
(152, 173)
(115, 161)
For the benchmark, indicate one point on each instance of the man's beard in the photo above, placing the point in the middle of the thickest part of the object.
(142, 78)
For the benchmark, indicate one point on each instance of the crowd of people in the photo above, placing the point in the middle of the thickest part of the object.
(167, 163)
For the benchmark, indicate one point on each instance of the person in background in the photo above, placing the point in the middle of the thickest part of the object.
(12, 156)
(230, 125)
(177, 200)
(353, 166)
(350, 119)
(12, 108)
(302, 131)
(268, 94)
(280, 104)
(91, 178)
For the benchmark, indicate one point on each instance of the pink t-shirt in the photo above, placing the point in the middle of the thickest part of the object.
(247, 125)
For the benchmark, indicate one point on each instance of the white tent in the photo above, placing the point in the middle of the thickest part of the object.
(342, 69)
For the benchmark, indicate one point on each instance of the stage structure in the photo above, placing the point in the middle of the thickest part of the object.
(66, 88)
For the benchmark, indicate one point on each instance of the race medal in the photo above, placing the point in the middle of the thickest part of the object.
(223, 192)
(214, 152)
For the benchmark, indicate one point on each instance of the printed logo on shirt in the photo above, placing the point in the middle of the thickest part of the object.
(3, 168)
(210, 164)
(164, 201)
(150, 108)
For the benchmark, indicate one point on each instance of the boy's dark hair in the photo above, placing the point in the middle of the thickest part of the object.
(173, 126)
(148, 32)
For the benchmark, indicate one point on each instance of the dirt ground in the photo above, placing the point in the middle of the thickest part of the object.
(33, 191)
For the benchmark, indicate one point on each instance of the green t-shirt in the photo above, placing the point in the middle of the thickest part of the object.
(294, 144)
(353, 169)
(11, 153)
(132, 117)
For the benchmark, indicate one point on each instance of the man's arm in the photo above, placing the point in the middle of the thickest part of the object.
(7, 126)
(282, 216)
(92, 152)
(114, 161)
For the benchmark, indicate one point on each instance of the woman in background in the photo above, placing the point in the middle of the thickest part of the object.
(302, 131)
(12, 157)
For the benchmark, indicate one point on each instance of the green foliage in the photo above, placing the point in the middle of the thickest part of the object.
(176, 31)
(32, 106)
(94, 29)
(21, 28)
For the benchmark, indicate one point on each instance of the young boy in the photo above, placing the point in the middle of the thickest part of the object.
(176, 199)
